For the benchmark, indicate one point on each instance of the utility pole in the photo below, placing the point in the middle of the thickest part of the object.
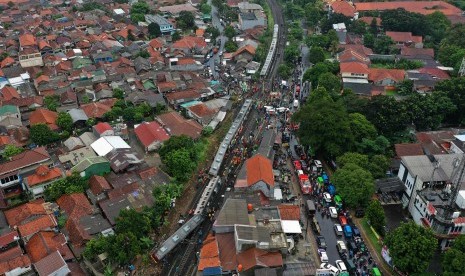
(462, 68)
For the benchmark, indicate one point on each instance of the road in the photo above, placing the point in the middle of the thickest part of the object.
(217, 24)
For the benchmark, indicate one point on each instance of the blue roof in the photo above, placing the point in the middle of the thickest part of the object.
(210, 271)
(191, 103)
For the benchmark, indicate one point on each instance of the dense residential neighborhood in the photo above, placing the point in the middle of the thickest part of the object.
(232, 137)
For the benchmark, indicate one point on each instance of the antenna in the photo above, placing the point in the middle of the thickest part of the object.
(456, 180)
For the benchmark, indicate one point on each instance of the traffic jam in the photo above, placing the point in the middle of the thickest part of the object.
(325, 206)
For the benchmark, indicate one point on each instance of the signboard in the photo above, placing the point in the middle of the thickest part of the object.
(385, 254)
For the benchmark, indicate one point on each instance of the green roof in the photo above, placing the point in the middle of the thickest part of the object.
(81, 62)
(8, 109)
(149, 85)
(87, 162)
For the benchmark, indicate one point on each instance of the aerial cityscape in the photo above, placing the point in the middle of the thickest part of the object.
(237, 137)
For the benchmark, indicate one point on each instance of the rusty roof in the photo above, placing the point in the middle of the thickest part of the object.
(259, 168)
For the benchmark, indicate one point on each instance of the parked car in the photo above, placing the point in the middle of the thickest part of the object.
(342, 220)
(341, 266)
(330, 267)
(355, 231)
(327, 197)
(333, 212)
(341, 248)
(323, 255)
(338, 229)
(320, 240)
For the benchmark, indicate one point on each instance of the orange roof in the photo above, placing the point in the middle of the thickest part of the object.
(199, 32)
(209, 254)
(95, 110)
(289, 212)
(201, 110)
(8, 92)
(16, 215)
(75, 205)
(190, 42)
(34, 226)
(13, 258)
(404, 37)
(248, 48)
(423, 7)
(184, 61)
(43, 243)
(259, 168)
(255, 257)
(44, 116)
(7, 62)
(344, 8)
(379, 74)
(353, 67)
(27, 40)
(43, 174)
(155, 43)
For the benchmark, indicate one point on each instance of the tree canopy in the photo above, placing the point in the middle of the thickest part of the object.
(376, 217)
(68, 185)
(64, 121)
(354, 184)
(41, 134)
(154, 29)
(11, 150)
(411, 247)
(453, 261)
(185, 21)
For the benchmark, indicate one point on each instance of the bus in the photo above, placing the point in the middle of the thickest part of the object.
(311, 208)
(305, 185)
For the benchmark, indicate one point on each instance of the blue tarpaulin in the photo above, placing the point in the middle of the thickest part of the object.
(212, 271)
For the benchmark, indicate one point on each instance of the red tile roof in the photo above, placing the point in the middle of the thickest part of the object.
(102, 127)
(435, 73)
(201, 110)
(408, 149)
(353, 67)
(423, 7)
(25, 159)
(98, 184)
(259, 168)
(247, 48)
(209, 254)
(13, 258)
(50, 264)
(95, 110)
(16, 215)
(155, 43)
(408, 51)
(7, 62)
(8, 92)
(75, 205)
(44, 116)
(227, 250)
(8, 238)
(379, 74)
(175, 124)
(43, 174)
(257, 257)
(344, 8)
(45, 222)
(26, 40)
(289, 212)
(149, 132)
(189, 42)
(403, 37)
(43, 243)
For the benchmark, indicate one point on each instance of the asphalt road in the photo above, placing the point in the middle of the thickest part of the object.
(217, 24)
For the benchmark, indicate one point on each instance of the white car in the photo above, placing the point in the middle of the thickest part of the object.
(338, 229)
(323, 255)
(330, 267)
(327, 197)
(318, 164)
(341, 266)
(333, 212)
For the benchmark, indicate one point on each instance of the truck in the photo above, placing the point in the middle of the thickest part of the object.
(305, 185)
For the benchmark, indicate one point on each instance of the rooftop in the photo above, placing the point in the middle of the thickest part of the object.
(234, 211)
(423, 7)
(50, 264)
(423, 167)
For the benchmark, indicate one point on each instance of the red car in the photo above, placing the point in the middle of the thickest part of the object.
(343, 220)
(297, 165)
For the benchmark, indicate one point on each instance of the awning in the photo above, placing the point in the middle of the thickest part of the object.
(291, 226)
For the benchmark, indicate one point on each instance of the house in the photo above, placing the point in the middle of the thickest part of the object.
(14, 262)
(42, 178)
(209, 254)
(42, 243)
(29, 54)
(151, 135)
(89, 166)
(124, 159)
(174, 10)
(30, 218)
(98, 187)
(201, 113)
(96, 110)
(190, 45)
(249, 20)
(112, 207)
(406, 39)
(13, 171)
(44, 116)
(436, 142)
(9, 111)
(176, 125)
(353, 70)
(102, 129)
(142, 65)
(385, 77)
(78, 116)
(258, 176)
(343, 7)
(8, 92)
(350, 55)
(234, 212)
(165, 26)
(73, 143)
(417, 53)
(83, 229)
(106, 144)
(53, 264)
(246, 52)
(426, 179)
(255, 258)
(422, 7)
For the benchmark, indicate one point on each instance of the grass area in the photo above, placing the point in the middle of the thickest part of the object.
(392, 93)
(371, 235)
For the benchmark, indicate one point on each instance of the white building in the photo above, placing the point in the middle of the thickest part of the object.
(106, 144)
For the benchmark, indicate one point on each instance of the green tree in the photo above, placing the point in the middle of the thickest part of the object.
(52, 102)
(369, 40)
(64, 121)
(230, 46)
(324, 124)
(118, 93)
(313, 15)
(453, 260)
(229, 32)
(154, 29)
(10, 4)
(131, 221)
(378, 166)
(129, 113)
(356, 158)
(284, 71)
(354, 184)
(123, 248)
(455, 90)
(316, 54)
(41, 134)
(205, 8)
(411, 247)
(427, 112)
(179, 164)
(383, 45)
(405, 87)
(387, 115)
(379, 145)
(11, 150)
(68, 185)
(136, 18)
(331, 83)
(376, 217)
(140, 7)
(313, 74)
(291, 53)
(361, 127)
(176, 36)
(185, 21)
(214, 32)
